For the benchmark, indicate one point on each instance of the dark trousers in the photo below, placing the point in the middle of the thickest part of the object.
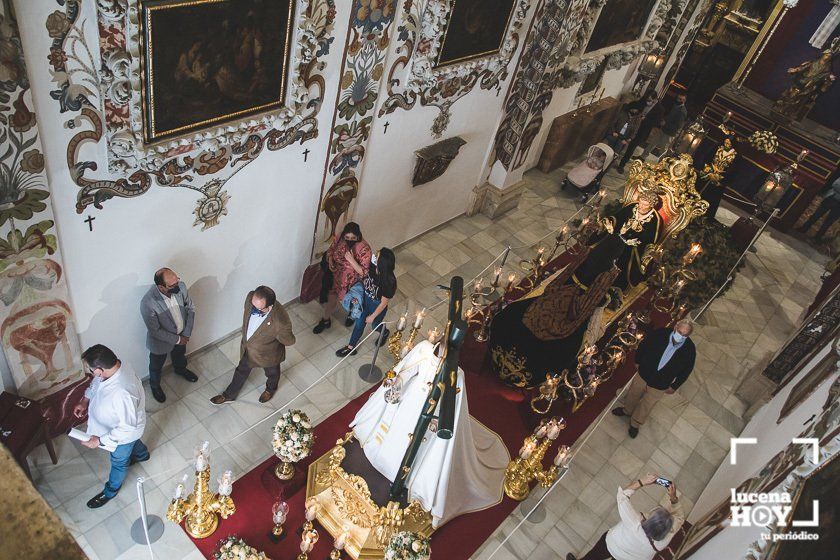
(639, 139)
(156, 361)
(599, 551)
(829, 205)
(240, 375)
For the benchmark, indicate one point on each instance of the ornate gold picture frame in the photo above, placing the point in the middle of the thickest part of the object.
(207, 62)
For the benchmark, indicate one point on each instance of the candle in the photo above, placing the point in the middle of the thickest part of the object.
(541, 250)
(554, 429)
(311, 509)
(584, 221)
(433, 335)
(511, 279)
(562, 456)
(418, 320)
(179, 492)
(498, 272)
(679, 285)
(477, 285)
(527, 449)
(279, 511)
(311, 537)
(200, 463)
(541, 429)
(340, 541)
(802, 155)
(226, 483)
(602, 193)
(727, 116)
(401, 323)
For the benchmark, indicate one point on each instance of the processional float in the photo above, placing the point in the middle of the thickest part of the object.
(346, 505)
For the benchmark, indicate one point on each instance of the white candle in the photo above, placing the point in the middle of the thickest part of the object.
(401, 323)
(496, 277)
(511, 279)
(340, 541)
(527, 449)
(541, 429)
(553, 431)
(562, 456)
(226, 484)
(311, 509)
(419, 319)
(179, 492)
(200, 462)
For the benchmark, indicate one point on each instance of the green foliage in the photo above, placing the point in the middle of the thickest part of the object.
(718, 256)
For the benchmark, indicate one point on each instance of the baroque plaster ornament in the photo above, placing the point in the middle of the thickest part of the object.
(414, 75)
(116, 88)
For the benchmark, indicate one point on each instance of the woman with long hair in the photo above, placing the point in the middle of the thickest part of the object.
(344, 264)
(380, 286)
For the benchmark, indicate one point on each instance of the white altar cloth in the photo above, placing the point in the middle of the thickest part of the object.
(450, 477)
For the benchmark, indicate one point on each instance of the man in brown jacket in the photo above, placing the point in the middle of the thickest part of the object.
(266, 331)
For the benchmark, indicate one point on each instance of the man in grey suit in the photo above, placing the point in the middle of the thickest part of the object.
(169, 314)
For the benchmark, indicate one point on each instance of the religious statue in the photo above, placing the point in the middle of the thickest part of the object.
(625, 238)
(810, 80)
(712, 174)
(543, 332)
(449, 476)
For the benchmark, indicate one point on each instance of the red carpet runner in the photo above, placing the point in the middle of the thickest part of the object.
(505, 411)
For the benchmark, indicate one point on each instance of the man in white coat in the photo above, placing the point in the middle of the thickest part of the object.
(116, 408)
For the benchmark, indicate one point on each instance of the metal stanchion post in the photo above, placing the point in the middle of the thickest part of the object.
(147, 528)
(371, 372)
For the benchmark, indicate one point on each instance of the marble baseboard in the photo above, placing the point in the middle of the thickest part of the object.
(493, 201)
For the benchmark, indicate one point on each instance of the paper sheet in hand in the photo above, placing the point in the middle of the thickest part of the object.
(82, 436)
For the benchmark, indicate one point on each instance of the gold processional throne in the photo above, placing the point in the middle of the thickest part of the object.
(346, 505)
(672, 179)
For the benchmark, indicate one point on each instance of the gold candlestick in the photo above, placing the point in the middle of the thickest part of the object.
(202, 508)
(528, 465)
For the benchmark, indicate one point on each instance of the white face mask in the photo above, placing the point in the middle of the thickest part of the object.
(373, 259)
(678, 338)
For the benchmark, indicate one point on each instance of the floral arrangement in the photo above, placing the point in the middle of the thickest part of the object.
(765, 141)
(234, 548)
(293, 436)
(406, 545)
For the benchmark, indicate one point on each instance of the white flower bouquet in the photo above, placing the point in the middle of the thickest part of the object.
(292, 441)
(406, 545)
(234, 548)
(765, 141)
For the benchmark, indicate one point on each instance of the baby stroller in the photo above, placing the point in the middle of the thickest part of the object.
(586, 176)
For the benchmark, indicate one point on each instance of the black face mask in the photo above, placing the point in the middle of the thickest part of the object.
(174, 289)
(350, 243)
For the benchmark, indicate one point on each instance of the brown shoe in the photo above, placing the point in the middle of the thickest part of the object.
(266, 396)
(220, 399)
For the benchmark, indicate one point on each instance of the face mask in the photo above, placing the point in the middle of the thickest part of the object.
(255, 311)
(678, 338)
(373, 259)
(174, 289)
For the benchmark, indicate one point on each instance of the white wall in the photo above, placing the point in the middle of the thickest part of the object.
(264, 239)
(266, 236)
(732, 542)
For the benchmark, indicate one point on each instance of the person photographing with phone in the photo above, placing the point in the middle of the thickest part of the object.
(637, 536)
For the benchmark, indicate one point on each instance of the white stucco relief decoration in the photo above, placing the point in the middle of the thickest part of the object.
(414, 76)
(103, 99)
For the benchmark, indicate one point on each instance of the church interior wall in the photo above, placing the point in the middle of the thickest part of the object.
(264, 238)
(772, 438)
(266, 234)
